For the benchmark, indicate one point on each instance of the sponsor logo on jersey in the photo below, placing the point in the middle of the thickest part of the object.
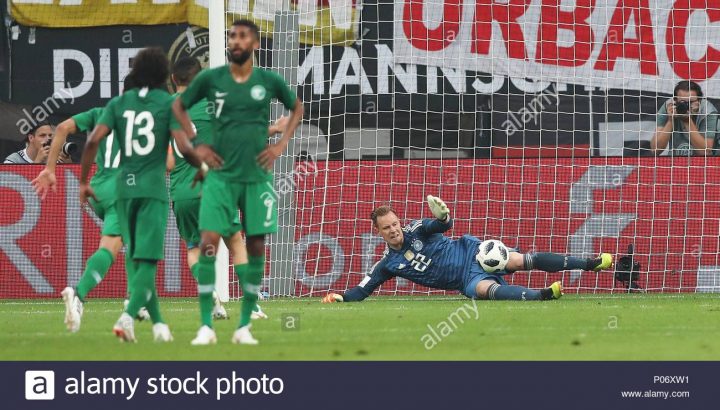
(258, 92)
(417, 244)
(218, 94)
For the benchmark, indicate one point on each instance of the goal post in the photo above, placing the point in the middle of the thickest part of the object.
(217, 57)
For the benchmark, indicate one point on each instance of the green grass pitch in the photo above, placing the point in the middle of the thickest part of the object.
(611, 327)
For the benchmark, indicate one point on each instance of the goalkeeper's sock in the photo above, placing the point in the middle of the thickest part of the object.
(251, 287)
(553, 262)
(95, 270)
(195, 271)
(148, 269)
(206, 285)
(512, 292)
(142, 286)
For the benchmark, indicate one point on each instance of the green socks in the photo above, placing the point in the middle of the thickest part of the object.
(206, 284)
(97, 267)
(144, 292)
(250, 286)
(195, 271)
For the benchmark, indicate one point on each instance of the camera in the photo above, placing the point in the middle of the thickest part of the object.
(682, 107)
(69, 147)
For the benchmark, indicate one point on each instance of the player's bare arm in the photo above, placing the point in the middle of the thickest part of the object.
(273, 151)
(45, 180)
(87, 159)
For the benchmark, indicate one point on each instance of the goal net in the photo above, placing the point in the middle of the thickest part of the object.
(532, 119)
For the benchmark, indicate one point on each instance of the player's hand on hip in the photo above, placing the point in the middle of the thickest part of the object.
(332, 298)
(44, 182)
(267, 157)
(438, 208)
(86, 193)
(208, 156)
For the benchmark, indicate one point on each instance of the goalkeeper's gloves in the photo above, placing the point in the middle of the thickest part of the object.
(438, 208)
(332, 298)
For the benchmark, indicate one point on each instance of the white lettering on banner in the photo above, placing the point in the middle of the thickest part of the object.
(623, 44)
(123, 61)
(312, 69)
(64, 56)
(60, 56)
(10, 234)
(350, 59)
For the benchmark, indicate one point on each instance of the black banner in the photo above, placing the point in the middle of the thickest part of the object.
(360, 385)
(353, 93)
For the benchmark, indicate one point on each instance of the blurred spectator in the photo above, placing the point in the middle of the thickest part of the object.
(37, 147)
(686, 124)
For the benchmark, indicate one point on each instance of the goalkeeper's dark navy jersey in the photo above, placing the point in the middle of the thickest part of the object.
(427, 257)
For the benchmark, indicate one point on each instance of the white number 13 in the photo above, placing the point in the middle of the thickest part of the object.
(145, 122)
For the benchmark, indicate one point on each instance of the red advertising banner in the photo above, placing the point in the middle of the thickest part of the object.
(668, 208)
(44, 244)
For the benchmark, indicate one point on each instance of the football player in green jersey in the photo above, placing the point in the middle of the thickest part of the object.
(185, 194)
(141, 119)
(103, 183)
(241, 95)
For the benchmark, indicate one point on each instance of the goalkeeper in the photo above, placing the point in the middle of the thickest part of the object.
(419, 252)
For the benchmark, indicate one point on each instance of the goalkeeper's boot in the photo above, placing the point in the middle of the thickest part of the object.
(602, 262)
(142, 314)
(258, 313)
(73, 309)
(161, 333)
(219, 312)
(554, 291)
(124, 328)
(242, 336)
(205, 336)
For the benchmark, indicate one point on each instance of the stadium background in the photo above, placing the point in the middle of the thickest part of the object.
(547, 166)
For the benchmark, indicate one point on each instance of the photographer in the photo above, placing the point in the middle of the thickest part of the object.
(686, 123)
(37, 146)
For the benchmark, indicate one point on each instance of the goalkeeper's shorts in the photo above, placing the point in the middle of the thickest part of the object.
(474, 277)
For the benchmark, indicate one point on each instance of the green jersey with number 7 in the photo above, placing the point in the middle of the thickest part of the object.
(240, 117)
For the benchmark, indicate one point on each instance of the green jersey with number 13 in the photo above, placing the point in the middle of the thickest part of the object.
(141, 120)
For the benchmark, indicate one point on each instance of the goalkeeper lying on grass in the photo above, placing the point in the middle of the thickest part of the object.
(419, 252)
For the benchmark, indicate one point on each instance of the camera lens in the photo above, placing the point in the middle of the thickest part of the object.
(682, 107)
(69, 147)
